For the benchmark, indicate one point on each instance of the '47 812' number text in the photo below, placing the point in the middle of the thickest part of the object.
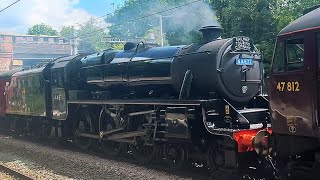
(288, 86)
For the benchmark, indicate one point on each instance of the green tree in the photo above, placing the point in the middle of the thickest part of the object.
(252, 18)
(42, 29)
(67, 31)
(138, 18)
(260, 20)
(288, 10)
(90, 35)
(123, 24)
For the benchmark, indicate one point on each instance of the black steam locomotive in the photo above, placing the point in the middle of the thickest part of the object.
(200, 102)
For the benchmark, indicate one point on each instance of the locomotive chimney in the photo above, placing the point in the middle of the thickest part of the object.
(210, 33)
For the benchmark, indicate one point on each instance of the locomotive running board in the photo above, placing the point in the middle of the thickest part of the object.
(140, 102)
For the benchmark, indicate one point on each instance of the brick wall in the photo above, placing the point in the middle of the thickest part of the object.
(6, 53)
(28, 47)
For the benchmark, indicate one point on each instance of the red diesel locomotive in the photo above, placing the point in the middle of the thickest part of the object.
(294, 101)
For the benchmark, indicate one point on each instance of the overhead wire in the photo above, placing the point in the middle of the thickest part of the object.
(9, 6)
(94, 19)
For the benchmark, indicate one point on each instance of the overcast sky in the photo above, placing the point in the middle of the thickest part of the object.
(56, 13)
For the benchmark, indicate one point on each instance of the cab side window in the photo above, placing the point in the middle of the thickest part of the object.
(295, 54)
(279, 58)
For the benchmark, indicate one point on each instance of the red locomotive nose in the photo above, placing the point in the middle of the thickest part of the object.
(244, 139)
(249, 140)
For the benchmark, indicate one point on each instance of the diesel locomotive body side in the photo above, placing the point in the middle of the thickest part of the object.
(294, 86)
(294, 101)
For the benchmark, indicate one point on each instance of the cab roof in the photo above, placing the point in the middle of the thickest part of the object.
(309, 21)
(7, 74)
(28, 72)
(63, 61)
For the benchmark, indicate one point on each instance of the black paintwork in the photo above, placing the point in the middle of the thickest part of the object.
(64, 77)
(159, 71)
(128, 67)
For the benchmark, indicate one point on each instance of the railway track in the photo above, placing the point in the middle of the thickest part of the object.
(189, 171)
(109, 167)
(13, 173)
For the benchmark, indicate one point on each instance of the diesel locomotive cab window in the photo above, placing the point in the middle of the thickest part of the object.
(278, 61)
(295, 54)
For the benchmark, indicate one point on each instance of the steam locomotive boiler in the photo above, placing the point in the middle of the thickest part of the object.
(230, 68)
(201, 102)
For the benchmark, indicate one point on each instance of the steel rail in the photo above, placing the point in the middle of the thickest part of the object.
(13, 173)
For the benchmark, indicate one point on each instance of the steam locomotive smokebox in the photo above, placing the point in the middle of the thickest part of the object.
(226, 66)
(211, 33)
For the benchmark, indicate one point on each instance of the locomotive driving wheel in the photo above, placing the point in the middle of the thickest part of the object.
(110, 148)
(175, 156)
(83, 124)
(142, 152)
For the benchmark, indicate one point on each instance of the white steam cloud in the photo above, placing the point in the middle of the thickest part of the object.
(192, 17)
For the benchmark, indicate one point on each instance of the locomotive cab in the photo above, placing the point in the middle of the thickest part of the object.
(294, 94)
(294, 83)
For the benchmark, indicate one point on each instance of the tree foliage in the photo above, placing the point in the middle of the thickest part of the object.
(260, 20)
(286, 11)
(139, 18)
(42, 29)
(90, 37)
(122, 21)
(251, 18)
(67, 32)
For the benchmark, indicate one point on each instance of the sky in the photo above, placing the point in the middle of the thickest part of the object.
(57, 13)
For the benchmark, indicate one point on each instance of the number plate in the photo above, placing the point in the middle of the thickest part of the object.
(242, 62)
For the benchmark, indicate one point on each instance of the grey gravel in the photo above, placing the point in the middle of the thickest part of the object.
(76, 165)
(5, 176)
